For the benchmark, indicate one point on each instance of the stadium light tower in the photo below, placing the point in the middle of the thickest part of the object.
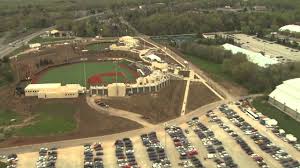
(116, 77)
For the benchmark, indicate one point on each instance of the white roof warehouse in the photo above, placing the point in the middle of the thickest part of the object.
(290, 28)
(255, 57)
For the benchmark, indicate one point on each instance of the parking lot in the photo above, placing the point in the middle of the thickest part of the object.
(260, 144)
(269, 48)
(201, 142)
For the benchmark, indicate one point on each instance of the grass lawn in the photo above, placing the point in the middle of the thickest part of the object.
(213, 69)
(7, 115)
(48, 39)
(98, 47)
(74, 73)
(284, 121)
(53, 118)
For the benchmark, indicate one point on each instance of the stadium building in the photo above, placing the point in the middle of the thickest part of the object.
(286, 97)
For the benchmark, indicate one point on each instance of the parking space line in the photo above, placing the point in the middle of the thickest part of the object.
(237, 153)
(268, 159)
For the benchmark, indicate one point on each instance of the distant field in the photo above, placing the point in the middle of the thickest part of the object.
(284, 121)
(98, 46)
(53, 118)
(74, 73)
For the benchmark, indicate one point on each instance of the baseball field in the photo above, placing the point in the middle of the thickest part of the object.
(89, 73)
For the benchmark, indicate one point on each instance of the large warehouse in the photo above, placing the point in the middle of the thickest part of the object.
(286, 97)
(255, 57)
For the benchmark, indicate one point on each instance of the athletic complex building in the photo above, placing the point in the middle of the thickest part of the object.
(109, 77)
(54, 90)
(286, 97)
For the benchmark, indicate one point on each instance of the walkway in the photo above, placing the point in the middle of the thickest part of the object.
(118, 113)
(186, 95)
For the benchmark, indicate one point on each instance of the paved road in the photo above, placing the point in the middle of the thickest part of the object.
(7, 49)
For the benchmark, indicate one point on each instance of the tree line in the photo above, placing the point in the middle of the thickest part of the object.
(108, 27)
(6, 74)
(166, 22)
(216, 40)
(251, 76)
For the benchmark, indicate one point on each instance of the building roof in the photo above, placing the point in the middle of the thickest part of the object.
(54, 31)
(291, 28)
(34, 45)
(154, 57)
(255, 57)
(44, 86)
(288, 93)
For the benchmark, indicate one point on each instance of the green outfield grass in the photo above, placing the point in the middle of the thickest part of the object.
(53, 118)
(74, 73)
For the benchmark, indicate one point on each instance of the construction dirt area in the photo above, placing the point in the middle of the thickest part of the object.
(199, 95)
(89, 122)
(157, 107)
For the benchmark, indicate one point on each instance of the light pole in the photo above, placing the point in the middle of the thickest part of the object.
(84, 73)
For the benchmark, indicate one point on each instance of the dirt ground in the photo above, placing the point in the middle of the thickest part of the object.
(199, 95)
(163, 106)
(234, 89)
(90, 123)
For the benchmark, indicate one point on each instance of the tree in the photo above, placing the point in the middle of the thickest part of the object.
(5, 59)
(3, 165)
